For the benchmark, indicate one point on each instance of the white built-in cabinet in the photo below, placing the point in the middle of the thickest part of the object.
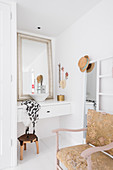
(7, 84)
(104, 88)
(49, 109)
(105, 84)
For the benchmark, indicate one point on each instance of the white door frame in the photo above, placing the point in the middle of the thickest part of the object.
(13, 81)
(14, 85)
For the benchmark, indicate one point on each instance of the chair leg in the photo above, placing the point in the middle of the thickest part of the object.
(21, 152)
(37, 146)
(24, 146)
(57, 164)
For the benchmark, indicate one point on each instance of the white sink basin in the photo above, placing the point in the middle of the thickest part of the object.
(39, 97)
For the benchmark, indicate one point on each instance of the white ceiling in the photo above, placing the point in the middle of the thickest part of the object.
(54, 16)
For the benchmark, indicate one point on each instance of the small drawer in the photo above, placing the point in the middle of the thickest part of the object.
(46, 111)
(54, 110)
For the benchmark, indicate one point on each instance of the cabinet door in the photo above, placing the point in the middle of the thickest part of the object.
(5, 87)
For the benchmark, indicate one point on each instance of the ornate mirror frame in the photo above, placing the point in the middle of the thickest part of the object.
(20, 36)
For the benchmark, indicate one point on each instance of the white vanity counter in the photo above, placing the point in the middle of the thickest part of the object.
(49, 108)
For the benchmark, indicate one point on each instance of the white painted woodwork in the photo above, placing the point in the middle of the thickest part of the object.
(49, 109)
(97, 90)
(104, 90)
(13, 84)
(105, 84)
(105, 75)
(55, 110)
(5, 87)
(105, 94)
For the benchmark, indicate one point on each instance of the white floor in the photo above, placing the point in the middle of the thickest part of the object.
(45, 160)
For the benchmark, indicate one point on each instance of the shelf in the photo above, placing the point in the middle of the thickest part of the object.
(105, 94)
(105, 75)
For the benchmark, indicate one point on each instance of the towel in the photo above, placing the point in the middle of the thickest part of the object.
(32, 108)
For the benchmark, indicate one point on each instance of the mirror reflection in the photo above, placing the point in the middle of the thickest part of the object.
(91, 81)
(34, 63)
(91, 85)
(34, 67)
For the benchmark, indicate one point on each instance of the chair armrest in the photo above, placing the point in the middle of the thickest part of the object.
(69, 130)
(66, 130)
(90, 151)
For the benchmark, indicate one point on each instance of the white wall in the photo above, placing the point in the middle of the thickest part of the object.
(92, 35)
(43, 128)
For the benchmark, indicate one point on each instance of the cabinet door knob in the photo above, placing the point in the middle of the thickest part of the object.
(48, 111)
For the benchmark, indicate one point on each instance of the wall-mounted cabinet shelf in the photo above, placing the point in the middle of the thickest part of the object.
(49, 109)
(105, 76)
(105, 94)
(104, 84)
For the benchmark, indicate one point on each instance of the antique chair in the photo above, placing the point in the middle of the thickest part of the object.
(90, 156)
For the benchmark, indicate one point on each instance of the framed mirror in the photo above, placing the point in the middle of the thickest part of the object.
(34, 56)
(90, 90)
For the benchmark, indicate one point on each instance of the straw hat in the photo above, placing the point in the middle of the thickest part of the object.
(90, 67)
(83, 63)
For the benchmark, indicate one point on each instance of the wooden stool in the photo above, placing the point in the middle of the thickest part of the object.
(27, 138)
